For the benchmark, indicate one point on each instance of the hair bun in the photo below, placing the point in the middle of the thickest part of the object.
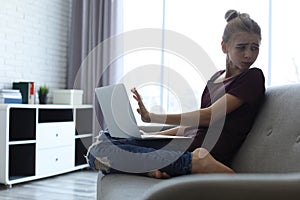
(231, 14)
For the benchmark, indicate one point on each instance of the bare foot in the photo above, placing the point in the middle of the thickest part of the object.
(203, 162)
(158, 174)
(97, 164)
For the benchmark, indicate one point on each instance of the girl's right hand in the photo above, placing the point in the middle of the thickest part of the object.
(145, 115)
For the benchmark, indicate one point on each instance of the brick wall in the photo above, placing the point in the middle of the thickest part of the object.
(34, 41)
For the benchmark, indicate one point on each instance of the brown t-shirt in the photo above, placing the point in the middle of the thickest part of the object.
(224, 141)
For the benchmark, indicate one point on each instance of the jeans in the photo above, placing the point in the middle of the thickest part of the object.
(138, 156)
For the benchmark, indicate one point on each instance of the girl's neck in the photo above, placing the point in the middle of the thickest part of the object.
(227, 74)
(231, 72)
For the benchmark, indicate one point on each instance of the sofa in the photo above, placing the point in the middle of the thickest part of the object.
(267, 165)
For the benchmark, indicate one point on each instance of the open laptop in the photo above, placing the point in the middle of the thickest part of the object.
(118, 114)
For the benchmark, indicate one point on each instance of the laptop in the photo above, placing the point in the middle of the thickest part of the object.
(119, 116)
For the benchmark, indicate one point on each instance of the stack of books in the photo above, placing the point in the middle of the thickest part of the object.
(10, 96)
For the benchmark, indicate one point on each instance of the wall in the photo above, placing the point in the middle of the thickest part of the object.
(34, 41)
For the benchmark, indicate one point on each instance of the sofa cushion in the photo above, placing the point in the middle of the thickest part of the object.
(227, 187)
(273, 144)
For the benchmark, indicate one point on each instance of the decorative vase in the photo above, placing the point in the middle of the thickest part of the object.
(43, 99)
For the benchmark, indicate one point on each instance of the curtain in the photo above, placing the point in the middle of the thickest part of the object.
(93, 23)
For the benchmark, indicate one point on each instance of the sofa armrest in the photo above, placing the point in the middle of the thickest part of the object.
(228, 187)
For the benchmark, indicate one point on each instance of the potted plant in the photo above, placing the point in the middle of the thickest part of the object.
(43, 94)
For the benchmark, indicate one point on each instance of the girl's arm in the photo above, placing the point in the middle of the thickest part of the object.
(202, 117)
(179, 130)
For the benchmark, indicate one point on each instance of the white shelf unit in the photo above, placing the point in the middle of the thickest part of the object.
(38, 141)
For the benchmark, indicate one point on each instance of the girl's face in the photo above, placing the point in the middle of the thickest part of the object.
(242, 50)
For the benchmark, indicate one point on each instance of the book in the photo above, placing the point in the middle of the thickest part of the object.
(10, 96)
(27, 91)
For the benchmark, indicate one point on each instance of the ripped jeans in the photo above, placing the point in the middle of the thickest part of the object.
(138, 156)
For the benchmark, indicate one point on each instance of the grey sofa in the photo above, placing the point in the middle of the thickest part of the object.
(267, 164)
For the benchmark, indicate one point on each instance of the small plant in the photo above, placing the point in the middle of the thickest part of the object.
(43, 90)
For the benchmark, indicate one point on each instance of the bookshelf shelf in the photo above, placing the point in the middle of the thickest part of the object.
(22, 142)
(38, 141)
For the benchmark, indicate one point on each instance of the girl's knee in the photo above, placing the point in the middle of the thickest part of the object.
(90, 159)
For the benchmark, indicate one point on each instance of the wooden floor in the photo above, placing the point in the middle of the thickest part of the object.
(79, 185)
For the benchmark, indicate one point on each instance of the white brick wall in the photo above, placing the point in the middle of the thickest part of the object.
(34, 41)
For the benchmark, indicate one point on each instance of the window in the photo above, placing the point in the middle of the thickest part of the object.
(203, 23)
(285, 57)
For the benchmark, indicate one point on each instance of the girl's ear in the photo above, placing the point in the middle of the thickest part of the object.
(224, 47)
